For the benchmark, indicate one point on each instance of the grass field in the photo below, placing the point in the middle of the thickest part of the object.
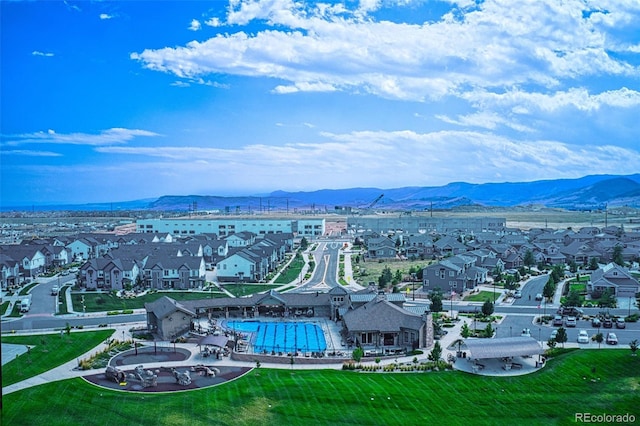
(48, 351)
(240, 290)
(594, 381)
(482, 296)
(101, 302)
(373, 269)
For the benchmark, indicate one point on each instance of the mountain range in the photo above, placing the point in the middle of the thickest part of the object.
(593, 192)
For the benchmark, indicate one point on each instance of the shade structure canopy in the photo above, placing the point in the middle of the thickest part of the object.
(211, 340)
(502, 347)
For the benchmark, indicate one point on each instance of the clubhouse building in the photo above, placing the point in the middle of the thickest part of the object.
(377, 323)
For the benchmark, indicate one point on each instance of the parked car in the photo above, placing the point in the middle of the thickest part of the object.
(571, 311)
(620, 323)
(595, 322)
(607, 323)
(517, 294)
(583, 336)
(553, 335)
(539, 296)
(571, 322)
(557, 320)
(54, 290)
(612, 339)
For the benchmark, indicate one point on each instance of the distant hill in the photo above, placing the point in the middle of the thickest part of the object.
(586, 193)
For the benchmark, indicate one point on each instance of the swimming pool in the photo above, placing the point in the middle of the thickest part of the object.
(281, 337)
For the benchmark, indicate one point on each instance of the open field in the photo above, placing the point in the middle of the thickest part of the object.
(594, 381)
(374, 268)
(101, 302)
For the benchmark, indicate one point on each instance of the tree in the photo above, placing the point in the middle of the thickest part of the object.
(598, 338)
(617, 255)
(562, 337)
(549, 289)
(573, 299)
(497, 273)
(436, 352)
(357, 354)
(573, 266)
(304, 243)
(529, 260)
(436, 302)
(607, 300)
(557, 272)
(633, 345)
(593, 264)
(465, 331)
(487, 308)
(552, 343)
(397, 277)
(488, 331)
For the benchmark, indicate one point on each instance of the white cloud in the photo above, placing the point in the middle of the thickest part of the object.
(195, 25)
(577, 98)
(180, 83)
(490, 46)
(486, 120)
(105, 137)
(39, 53)
(30, 153)
(424, 158)
(105, 16)
(213, 22)
(72, 6)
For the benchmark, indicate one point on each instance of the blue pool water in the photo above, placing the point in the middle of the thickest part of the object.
(283, 337)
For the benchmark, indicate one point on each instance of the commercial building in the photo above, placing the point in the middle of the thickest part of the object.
(223, 227)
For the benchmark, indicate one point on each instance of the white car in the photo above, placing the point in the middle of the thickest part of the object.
(583, 336)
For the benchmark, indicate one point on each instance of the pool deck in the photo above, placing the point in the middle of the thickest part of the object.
(330, 329)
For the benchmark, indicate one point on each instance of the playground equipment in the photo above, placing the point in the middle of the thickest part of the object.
(146, 377)
(183, 379)
(115, 374)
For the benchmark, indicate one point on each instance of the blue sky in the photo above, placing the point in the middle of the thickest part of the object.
(113, 101)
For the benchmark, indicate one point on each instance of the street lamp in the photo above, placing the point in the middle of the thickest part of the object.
(122, 336)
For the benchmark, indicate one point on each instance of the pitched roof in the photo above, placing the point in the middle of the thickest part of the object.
(165, 306)
(382, 315)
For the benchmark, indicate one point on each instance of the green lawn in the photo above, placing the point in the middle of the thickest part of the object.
(291, 272)
(567, 385)
(240, 290)
(49, 351)
(482, 296)
(101, 302)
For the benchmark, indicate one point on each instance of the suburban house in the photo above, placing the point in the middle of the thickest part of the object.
(445, 276)
(31, 260)
(381, 248)
(614, 278)
(108, 273)
(9, 272)
(418, 246)
(179, 272)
